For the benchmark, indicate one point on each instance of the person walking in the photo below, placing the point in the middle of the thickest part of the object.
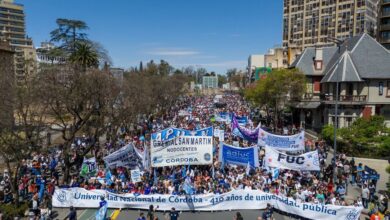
(238, 216)
(173, 214)
(72, 214)
(151, 212)
(141, 216)
(365, 196)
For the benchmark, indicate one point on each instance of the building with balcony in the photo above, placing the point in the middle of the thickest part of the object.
(309, 23)
(361, 67)
(12, 28)
(384, 23)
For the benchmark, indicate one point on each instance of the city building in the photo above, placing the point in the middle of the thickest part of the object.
(361, 67)
(47, 53)
(7, 79)
(12, 28)
(280, 57)
(210, 82)
(384, 23)
(309, 23)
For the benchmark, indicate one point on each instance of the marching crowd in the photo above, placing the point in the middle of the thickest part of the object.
(42, 172)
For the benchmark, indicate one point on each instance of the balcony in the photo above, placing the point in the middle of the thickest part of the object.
(385, 14)
(384, 27)
(344, 99)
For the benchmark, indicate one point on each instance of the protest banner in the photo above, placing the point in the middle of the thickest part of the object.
(304, 162)
(238, 155)
(135, 176)
(182, 150)
(243, 132)
(89, 167)
(242, 120)
(124, 157)
(280, 142)
(233, 200)
(171, 133)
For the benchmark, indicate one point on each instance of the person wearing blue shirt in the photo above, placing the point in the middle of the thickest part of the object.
(268, 213)
(147, 189)
(173, 214)
(102, 202)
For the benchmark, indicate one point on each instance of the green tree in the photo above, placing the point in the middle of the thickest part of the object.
(279, 89)
(151, 68)
(164, 68)
(231, 72)
(84, 56)
(221, 80)
(68, 33)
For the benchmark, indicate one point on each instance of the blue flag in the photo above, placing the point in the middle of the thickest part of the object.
(101, 213)
(41, 190)
(108, 176)
(155, 180)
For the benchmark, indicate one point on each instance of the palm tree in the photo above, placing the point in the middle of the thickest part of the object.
(68, 33)
(84, 56)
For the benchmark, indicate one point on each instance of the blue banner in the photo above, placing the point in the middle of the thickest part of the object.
(285, 143)
(245, 133)
(238, 155)
(242, 120)
(171, 133)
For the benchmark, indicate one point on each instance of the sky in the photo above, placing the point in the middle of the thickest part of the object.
(214, 34)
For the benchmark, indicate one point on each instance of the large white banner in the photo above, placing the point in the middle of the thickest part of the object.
(302, 162)
(182, 150)
(285, 143)
(234, 200)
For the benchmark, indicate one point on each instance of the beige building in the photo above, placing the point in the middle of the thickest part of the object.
(12, 28)
(280, 57)
(308, 23)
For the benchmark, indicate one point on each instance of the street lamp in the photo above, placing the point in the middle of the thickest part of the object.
(336, 105)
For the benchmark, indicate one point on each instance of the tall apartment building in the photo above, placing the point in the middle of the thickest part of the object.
(308, 23)
(12, 29)
(384, 23)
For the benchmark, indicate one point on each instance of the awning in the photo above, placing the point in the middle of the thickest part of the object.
(307, 105)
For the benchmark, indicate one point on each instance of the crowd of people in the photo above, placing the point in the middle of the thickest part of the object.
(43, 171)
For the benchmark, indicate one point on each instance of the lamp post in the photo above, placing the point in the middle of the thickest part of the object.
(336, 106)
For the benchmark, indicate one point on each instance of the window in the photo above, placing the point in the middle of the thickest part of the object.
(388, 89)
(380, 88)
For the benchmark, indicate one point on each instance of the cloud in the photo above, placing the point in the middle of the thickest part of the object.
(172, 52)
(228, 64)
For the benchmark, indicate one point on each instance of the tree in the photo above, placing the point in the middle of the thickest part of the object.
(151, 68)
(164, 68)
(200, 72)
(221, 80)
(84, 56)
(231, 72)
(280, 88)
(141, 68)
(68, 33)
(82, 103)
(18, 142)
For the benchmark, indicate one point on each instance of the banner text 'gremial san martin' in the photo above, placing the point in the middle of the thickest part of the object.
(182, 150)
(234, 200)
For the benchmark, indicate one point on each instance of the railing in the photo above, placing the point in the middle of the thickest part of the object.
(384, 26)
(385, 13)
(345, 98)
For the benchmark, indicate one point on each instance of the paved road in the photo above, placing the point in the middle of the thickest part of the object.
(88, 214)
